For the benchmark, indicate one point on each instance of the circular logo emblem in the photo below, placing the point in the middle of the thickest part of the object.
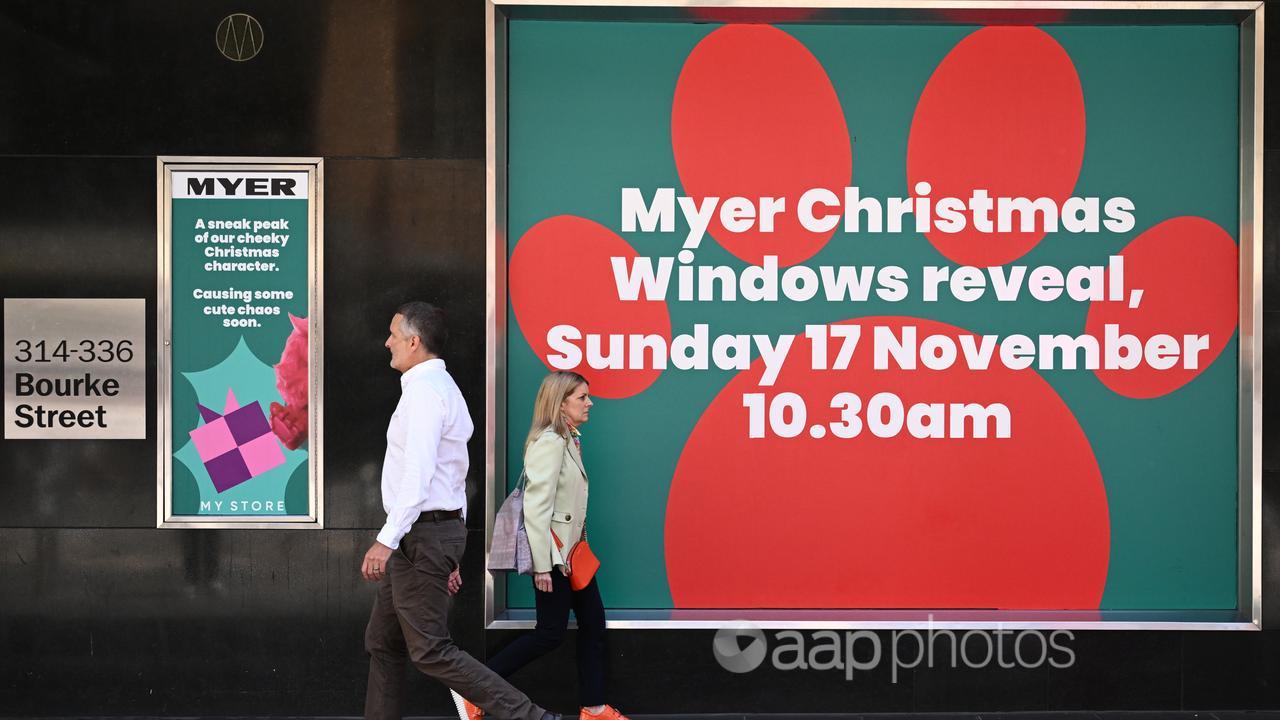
(739, 648)
(239, 37)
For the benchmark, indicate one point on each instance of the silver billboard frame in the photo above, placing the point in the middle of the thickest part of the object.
(1248, 16)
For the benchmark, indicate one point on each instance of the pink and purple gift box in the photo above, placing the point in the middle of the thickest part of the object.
(236, 445)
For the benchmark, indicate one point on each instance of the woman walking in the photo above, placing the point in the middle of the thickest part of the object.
(555, 510)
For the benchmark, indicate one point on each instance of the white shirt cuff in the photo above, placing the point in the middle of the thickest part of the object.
(390, 536)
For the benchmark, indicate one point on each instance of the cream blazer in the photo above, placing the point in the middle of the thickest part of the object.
(555, 499)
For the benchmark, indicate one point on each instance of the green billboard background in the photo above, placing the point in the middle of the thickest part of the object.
(590, 107)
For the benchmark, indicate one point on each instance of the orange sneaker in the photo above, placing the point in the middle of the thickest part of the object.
(466, 711)
(609, 712)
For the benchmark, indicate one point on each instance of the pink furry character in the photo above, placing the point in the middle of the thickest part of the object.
(289, 421)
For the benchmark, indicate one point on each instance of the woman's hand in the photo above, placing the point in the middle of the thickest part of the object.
(542, 581)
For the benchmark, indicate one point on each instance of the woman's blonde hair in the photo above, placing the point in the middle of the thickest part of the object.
(555, 388)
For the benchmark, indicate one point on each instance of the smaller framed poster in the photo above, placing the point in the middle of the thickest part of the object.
(239, 393)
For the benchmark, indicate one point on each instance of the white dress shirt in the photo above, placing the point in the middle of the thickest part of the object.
(426, 463)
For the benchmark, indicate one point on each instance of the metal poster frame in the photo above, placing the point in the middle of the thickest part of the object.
(1248, 16)
(314, 167)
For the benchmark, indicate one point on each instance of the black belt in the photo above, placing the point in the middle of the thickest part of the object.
(437, 516)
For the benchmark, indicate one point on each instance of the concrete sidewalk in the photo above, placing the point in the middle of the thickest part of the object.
(1078, 715)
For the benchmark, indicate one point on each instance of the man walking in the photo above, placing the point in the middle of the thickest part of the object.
(415, 558)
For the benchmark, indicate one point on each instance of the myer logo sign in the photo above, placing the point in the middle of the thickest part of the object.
(239, 37)
(239, 185)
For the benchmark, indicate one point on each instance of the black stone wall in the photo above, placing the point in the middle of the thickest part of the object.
(100, 613)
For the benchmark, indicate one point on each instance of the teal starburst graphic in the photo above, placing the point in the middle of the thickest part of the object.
(250, 380)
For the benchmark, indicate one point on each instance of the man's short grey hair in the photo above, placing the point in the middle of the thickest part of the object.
(426, 321)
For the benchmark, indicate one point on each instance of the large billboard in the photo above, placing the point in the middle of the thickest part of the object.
(934, 315)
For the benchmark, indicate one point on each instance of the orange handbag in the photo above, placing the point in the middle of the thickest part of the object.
(583, 563)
